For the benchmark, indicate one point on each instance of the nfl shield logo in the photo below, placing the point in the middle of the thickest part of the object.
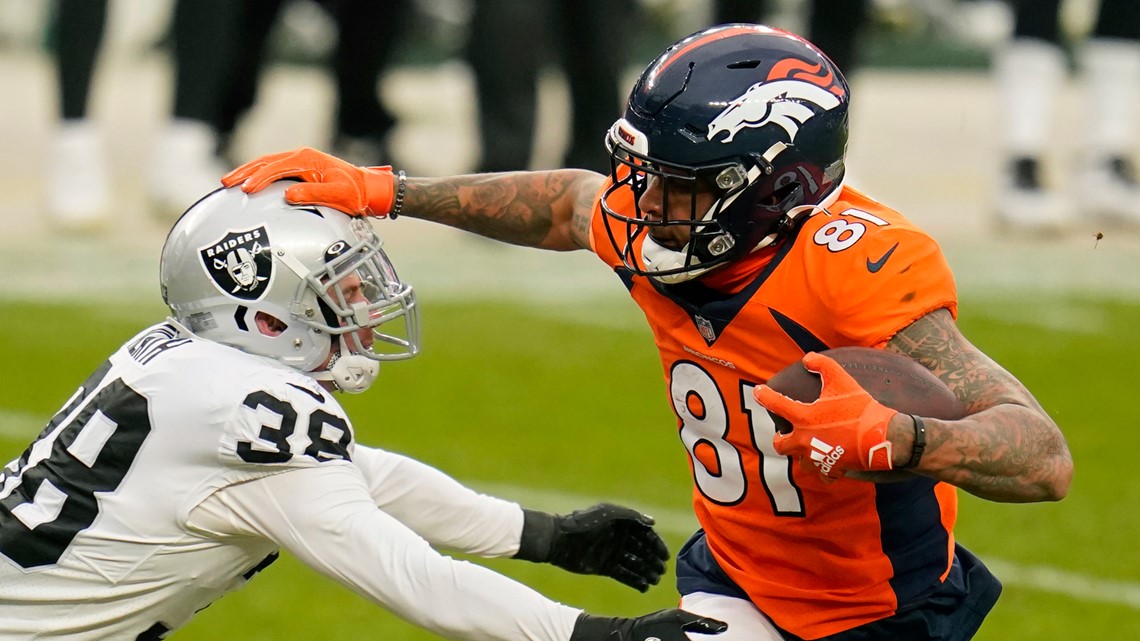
(705, 328)
(239, 263)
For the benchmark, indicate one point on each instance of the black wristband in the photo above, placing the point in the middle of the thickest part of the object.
(538, 533)
(919, 442)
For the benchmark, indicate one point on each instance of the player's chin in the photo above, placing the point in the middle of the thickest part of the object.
(366, 339)
(668, 242)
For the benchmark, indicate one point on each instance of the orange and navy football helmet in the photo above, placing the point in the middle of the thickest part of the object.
(756, 113)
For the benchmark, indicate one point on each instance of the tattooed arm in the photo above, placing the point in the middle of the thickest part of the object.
(1007, 448)
(544, 209)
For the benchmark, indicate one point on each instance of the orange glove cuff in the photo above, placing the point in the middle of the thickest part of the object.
(380, 190)
(873, 442)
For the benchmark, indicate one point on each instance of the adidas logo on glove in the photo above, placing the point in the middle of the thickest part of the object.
(825, 456)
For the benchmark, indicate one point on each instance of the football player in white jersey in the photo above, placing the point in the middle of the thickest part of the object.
(209, 441)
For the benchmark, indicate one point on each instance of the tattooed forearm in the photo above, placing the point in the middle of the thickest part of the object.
(534, 209)
(583, 212)
(935, 341)
(1007, 448)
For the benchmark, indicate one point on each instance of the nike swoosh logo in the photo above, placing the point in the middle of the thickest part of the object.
(875, 266)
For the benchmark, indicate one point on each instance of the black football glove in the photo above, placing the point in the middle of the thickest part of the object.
(605, 539)
(664, 625)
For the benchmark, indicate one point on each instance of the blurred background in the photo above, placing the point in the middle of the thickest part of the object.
(928, 121)
(539, 381)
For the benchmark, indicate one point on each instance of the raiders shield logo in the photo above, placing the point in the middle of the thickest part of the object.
(239, 263)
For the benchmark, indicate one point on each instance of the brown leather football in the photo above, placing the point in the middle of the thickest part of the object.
(890, 378)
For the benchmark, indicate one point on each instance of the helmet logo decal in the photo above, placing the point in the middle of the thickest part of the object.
(783, 103)
(239, 263)
(794, 69)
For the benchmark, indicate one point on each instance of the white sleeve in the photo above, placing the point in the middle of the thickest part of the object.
(326, 518)
(439, 508)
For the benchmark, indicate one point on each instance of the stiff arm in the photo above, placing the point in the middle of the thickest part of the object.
(543, 209)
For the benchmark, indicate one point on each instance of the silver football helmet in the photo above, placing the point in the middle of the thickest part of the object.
(298, 284)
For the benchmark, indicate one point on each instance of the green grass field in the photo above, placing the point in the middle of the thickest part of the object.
(536, 405)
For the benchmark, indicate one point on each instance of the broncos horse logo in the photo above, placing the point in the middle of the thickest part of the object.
(784, 103)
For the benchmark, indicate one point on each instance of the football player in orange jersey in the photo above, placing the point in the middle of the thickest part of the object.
(726, 216)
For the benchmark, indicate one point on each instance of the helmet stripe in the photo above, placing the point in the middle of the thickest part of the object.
(727, 32)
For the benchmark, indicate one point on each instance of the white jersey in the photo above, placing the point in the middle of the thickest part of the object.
(181, 466)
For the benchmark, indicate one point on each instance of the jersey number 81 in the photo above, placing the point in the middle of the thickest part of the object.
(703, 411)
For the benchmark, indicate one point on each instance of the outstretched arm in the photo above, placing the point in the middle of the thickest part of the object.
(607, 540)
(1006, 448)
(325, 517)
(544, 209)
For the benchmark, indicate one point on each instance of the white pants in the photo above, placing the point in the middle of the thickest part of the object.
(745, 621)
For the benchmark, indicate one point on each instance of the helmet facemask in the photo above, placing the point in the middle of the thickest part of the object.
(360, 290)
(355, 290)
(740, 218)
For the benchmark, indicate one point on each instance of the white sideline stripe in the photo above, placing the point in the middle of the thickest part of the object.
(20, 425)
(1071, 584)
(1041, 578)
(24, 425)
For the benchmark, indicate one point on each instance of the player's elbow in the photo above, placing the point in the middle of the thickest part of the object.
(1051, 477)
(1051, 466)
(1059, 481)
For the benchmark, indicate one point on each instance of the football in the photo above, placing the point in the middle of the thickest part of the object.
(890, 378)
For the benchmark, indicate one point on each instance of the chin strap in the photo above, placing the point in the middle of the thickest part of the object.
(662, 259)
(350, 373)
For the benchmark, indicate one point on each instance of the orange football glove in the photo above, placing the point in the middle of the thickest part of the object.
(328, 181)
(844, 429)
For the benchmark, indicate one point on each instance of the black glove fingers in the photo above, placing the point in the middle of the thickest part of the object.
(704, 625)
(671, 625)
(645, 543)
(655, 545)
(642, 552)
(612, 541)
(663, 625)
(588, 520)
(649, 571)
(633, 579)
(617, 512)
(651, 545)
(652, 568)
(637, 560)
(596, 516)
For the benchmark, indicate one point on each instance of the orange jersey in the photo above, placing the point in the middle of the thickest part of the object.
(817, 558)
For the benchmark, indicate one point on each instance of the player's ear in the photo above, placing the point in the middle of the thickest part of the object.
(270, 325)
